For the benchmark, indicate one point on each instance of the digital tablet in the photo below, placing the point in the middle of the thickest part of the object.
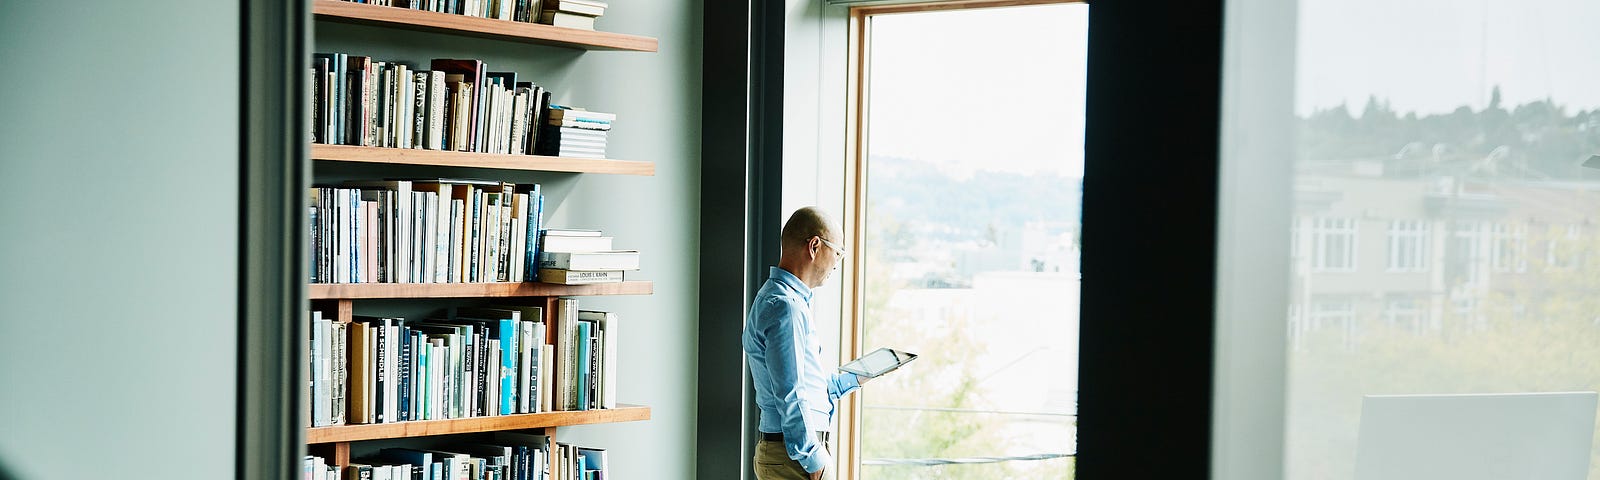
(879, 362)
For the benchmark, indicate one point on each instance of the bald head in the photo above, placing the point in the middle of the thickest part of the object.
(806, 223)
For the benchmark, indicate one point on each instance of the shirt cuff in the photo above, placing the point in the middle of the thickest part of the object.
(816, 461)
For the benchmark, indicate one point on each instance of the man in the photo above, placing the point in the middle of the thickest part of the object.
(795, 392)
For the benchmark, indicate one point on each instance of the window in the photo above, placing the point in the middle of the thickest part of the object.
(968, 238)
(1465, 108)
(1335, 315)
(1509, 250)
(1333, 245)
(1406, 314)
(1408, 246)
(1561, 247)
(1466, 255)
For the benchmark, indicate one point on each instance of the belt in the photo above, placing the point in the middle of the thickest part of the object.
(778, 437)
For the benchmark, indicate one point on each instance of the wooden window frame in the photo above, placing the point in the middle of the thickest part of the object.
(847, 462)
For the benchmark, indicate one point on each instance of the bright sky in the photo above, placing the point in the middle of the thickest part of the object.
(1003, 89)
(996, 89)
(1431, 56)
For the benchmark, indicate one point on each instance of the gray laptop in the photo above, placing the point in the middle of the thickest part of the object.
(1543, 436)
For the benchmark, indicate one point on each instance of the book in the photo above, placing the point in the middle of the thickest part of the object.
(566, 243)
(583, 375)
(566, 20)
(566, 394)
(579, 277)
(361, 374)
(599, 260)
(608, 325)
(580, 7)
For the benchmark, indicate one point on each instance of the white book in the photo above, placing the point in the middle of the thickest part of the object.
(547, 359)
(391, 390)
(579, 277)
(526, 357)
(562, 243)
(569, 232)
(601, 260)
(321, 370)
(581, 8)
(436, 94)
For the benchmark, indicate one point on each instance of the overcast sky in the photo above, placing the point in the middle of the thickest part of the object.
(1431, 56)
(1003, 89)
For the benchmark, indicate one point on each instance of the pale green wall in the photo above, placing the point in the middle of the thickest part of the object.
(118, 175)
(657, 99)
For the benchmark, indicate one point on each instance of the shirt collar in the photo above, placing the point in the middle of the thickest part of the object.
(787, 279)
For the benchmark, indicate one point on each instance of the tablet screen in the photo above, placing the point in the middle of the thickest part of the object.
(878, 362)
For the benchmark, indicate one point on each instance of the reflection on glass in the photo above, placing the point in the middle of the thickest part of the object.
(970, 250)
(1445, 237)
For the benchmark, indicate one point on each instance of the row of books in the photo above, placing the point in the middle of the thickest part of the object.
(457, 105)
(424, 231)
(554, 12)
(505, 456)
(581, 257)
(471, 362)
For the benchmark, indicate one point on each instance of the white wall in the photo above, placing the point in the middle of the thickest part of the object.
(118, 175)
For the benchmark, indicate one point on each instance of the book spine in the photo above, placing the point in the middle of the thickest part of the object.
(595, 362)
(525, 366)
(381, 386)
(481, 368)
(507, 374)
(341, 372)
(404, 374)
(567, 368)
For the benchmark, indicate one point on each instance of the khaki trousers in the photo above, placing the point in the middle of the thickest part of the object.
(773, 463)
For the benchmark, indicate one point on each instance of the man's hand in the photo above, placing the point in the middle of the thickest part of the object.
(817, 475)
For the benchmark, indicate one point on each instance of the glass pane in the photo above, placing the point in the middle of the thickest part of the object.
(975, 166)
(1450, 285)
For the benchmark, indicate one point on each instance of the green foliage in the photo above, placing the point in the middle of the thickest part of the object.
(1538, 136)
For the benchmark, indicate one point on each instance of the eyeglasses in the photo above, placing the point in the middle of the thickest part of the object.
(838, 251)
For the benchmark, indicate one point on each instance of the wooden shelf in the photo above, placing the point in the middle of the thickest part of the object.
(354, 433)
(352, 291)
(446, 158)
(349, 12)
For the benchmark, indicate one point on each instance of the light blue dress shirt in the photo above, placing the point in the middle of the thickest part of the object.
(795, 393)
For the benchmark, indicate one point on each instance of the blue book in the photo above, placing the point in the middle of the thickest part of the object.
(593, 460)
(530, 271)
(584, 352)
(423, 385)
(509, 349)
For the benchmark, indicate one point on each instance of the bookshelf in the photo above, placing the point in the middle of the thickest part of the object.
(401, 18)
(425, 428)
(336, 443)
(352, 291)
(446, 158)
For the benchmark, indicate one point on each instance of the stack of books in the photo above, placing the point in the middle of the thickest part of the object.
(467, 362)
(574, 132)
(425, 231)
(579, 14)
(505, 456)
(458, 105)
(581, 257)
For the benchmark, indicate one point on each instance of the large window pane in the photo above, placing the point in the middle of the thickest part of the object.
(970, 245)
(1452, 248)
